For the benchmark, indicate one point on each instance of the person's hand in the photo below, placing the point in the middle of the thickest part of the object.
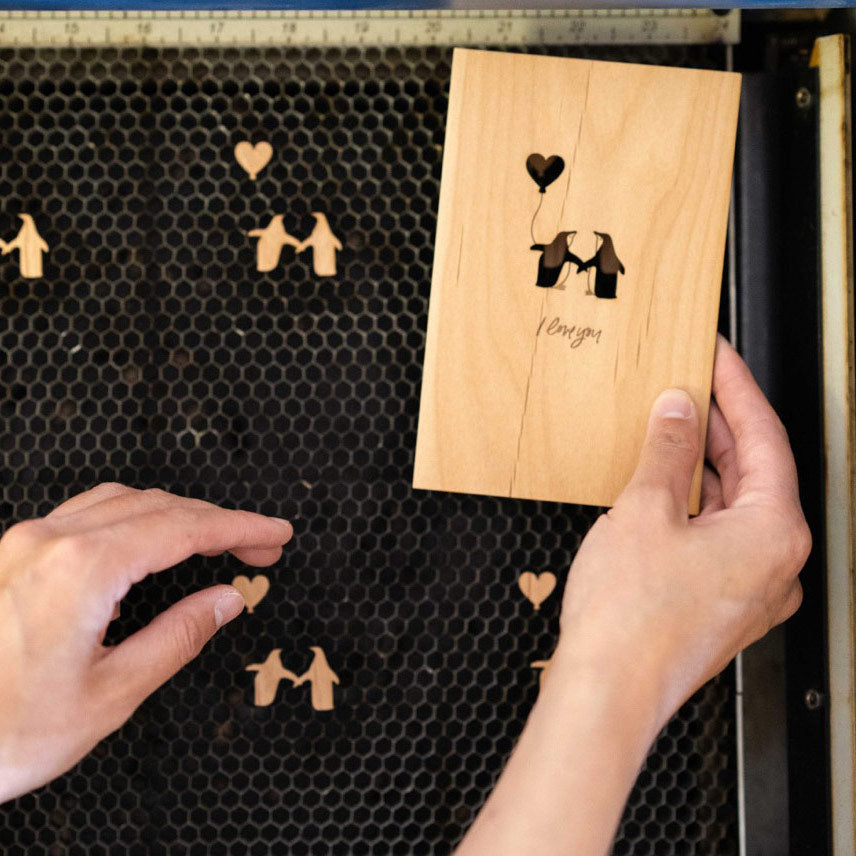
(61, 578)
(656, 603)
(683, 596)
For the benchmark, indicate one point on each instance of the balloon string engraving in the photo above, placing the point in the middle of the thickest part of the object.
(532, 224)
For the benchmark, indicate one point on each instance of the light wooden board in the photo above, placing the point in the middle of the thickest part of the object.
(510, 405)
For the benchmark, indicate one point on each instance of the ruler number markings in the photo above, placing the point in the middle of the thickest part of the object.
(412, 27)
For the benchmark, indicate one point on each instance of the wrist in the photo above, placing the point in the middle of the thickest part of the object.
(581, 750)
(626, 688)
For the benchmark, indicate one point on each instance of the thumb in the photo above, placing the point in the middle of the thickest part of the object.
(149, 658)
(668, 459)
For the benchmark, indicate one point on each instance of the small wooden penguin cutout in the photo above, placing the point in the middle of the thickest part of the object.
(537, 587)
(252, 590)
(253, 158)
(271, 241)
(30, 246)
(324, 246)
(268, 676)
(322, 678)
(544, 666)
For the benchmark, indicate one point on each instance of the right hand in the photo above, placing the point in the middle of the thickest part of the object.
(677, 598)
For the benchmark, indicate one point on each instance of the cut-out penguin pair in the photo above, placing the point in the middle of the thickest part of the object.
(273, 238)
(319, 674)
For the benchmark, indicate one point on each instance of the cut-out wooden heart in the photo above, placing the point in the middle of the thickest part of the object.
(544, 171)
(252, 590)
(253, 158)
(537, 587)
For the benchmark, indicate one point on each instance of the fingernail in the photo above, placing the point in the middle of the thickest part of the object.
(284, 522)
(228, 606)
(673, 404)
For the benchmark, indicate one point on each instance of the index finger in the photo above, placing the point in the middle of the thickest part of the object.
(762, 465)
(127, 550)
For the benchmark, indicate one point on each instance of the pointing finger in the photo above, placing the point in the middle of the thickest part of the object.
(711, 493)
(720, 451)
(127, 550)
(95, 496)
(110, 504)
(763, 458)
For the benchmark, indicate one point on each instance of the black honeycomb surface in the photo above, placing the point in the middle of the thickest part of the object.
(153, 353)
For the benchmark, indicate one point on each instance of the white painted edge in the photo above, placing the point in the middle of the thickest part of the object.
(836, 227)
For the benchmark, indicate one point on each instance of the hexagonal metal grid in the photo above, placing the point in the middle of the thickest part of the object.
(153, 353)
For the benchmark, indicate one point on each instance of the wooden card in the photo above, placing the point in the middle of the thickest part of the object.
(579, 252)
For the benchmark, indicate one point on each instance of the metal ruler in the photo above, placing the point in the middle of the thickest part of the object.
(368, 27)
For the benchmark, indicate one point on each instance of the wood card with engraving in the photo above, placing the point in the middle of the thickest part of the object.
(577, 270)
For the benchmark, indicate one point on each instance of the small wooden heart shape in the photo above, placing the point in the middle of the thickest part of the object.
(252, 590)
(537, 587)
(253, 158)
(544, 171)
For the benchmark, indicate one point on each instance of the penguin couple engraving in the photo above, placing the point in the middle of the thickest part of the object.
(557, 253)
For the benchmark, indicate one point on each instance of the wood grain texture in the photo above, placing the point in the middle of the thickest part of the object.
(268, 676)
(253, 158)
(321, 677)
(537, 587)
(252, 590)
(30, 246)
(510, 411)
(324, 245)
(272, 238)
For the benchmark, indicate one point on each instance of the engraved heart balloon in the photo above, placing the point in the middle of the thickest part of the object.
(253, 158)
(537, 587)
(252, 590)
(544, 171)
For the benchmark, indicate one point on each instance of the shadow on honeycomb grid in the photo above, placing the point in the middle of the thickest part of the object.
(153, 353)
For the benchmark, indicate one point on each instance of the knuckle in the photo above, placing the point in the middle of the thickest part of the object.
(648, 499)
(71, 548)
(794, 540)
(158, 495)
(793, 601)
(189, 637)
(674, 440)
(24, 536)
(802, 541)
(109, 488)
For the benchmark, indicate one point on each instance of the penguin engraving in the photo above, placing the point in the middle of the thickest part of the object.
(554, 256)
(607, 267)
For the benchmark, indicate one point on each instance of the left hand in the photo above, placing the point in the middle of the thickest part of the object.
(61, 577)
